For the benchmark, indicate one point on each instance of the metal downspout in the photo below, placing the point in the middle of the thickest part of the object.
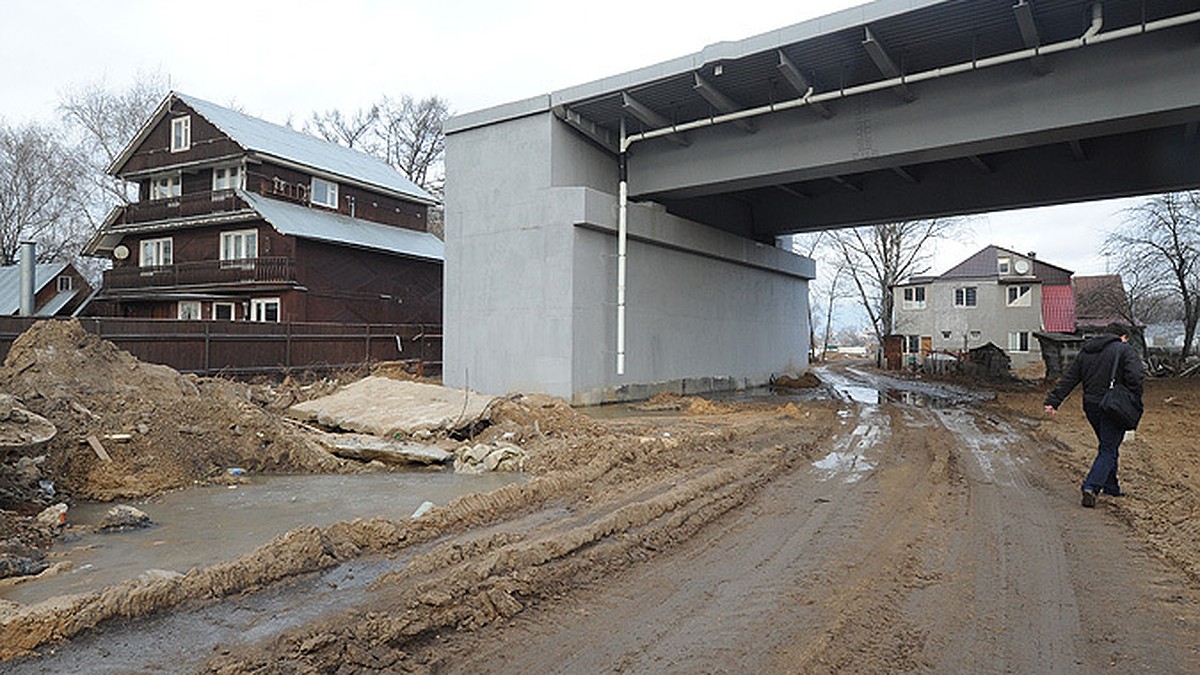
(622, 234)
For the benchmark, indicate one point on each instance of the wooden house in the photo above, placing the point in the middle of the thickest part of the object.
(239, 219)
(59, 289)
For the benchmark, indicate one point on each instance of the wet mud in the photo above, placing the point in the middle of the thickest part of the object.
(938, 535)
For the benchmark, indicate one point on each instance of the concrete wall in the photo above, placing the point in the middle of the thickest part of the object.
(530, 299)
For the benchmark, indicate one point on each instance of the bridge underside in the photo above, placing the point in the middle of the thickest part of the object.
(1107, 119)
(900, 109)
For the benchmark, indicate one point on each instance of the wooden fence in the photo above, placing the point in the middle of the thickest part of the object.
(247, 348)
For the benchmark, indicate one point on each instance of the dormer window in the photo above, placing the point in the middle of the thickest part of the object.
(227, 177)
(324, 193)
(1004, 266)
(166, 186)
(181, 133)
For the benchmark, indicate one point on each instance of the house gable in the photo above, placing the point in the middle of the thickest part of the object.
(151, 151)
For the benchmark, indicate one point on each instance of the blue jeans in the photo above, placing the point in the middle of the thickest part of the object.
(1103, 476)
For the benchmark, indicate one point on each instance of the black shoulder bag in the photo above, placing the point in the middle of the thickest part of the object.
(1120, 404)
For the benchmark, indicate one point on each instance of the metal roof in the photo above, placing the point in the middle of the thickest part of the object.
(57, 303)
(1058, 309)
(10, 283)
(264, 138)
(329, 226)
(983, 265)
(261, 136)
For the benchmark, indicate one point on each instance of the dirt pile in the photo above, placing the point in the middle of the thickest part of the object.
(128, 429)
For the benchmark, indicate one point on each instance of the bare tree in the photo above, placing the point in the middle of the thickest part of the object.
(414, 141)
(877, 257)
(103, 121)
(1159, 244)
(40, 188)
(406, 133)
(357, 130)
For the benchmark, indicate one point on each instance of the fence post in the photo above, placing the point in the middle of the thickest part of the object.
(207, 350)
(367, 356)
(287, 349)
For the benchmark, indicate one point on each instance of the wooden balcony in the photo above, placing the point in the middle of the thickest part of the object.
(275, 269)
(186, 206)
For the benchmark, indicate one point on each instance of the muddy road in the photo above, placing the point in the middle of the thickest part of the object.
(891, 527)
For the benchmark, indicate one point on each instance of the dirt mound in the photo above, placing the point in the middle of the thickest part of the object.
(806, 381)
(128, 429)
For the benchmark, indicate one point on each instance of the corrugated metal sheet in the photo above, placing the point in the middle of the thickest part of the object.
(56, 303)
(10, 283)
(1058, 309)
(312, 223)
(261, 136)
(918, 34)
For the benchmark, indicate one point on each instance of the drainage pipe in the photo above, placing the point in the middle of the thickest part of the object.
(28, 256)
(622, 235)
(1090, 37)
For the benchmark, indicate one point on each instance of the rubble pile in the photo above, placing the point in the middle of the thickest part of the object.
(128, 429)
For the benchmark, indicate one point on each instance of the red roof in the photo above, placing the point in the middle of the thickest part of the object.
(1058, 309)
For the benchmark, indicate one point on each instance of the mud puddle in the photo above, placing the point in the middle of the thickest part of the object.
(201, 526)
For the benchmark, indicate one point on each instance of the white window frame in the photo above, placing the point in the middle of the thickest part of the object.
(966, 296)
(330, 193)
(1004, 265)
(259, 308)
(162, 252)
(228, 305)
(1015, 340)
(227, 177)
(188, 310)
(910, 299)
(1024, 295)
(166, 186)
(234, 240)
(64, 283)
(181, 133)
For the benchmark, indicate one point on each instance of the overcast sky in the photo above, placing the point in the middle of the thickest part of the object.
(284, 60)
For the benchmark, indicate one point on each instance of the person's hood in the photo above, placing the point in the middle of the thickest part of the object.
(1098, 343)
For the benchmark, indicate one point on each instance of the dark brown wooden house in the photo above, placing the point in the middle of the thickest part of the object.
(240, 219)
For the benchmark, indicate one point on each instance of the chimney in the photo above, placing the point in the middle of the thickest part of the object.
(28, 259)
(1032, 255)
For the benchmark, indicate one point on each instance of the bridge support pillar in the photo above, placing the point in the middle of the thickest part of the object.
(531, 278)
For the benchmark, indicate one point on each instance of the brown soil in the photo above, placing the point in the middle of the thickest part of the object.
(943, 540)
(161, 430)
(1159, 466)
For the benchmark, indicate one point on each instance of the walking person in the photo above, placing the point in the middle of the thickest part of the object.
(1095, 365)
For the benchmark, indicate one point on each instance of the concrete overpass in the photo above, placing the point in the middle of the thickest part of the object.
(892, 110)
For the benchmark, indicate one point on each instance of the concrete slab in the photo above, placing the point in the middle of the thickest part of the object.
(386, 407)
(364, 447)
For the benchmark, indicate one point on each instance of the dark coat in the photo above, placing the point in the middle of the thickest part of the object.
(1093, 367)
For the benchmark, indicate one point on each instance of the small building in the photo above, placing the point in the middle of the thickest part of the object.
(240, 219)
(1099, 301)
(58, 289)
(995, 296)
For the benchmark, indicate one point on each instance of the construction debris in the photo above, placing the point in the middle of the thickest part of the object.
(366, 448)
(484, 457)
(124, 517)
(390, 408)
